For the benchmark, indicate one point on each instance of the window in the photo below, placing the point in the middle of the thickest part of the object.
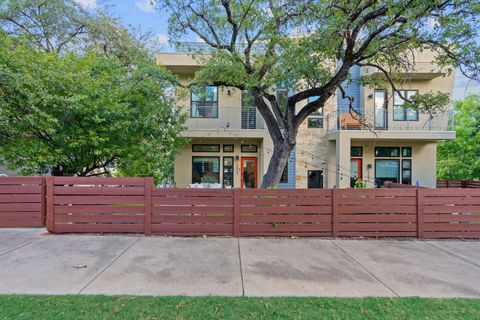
(228, 148)
(284, 178)
(205, 169)
(386, 170)
(315, 179)
(250, 148)
(407, 171)
(282, 96)
(399, 112)
(315, 120)
(381, 111)
(249, 111)
(387, 152)
(204, 102)
(206, 148)
(228, 172)
(406, 152)
(356, 151)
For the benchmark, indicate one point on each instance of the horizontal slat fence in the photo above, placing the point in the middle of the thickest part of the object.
(458, 184)
(192, 211)
(78, 204)
(451, 213)
(377, 212)
(285, 212)
(22, 202)
(133, 205)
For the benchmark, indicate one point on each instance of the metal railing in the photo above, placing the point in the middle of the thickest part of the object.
(384, 120)
(222, 118)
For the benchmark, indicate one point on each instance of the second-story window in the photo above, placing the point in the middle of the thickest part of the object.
(400, 113)
(249, 111)
(315, 120)
(204, 102)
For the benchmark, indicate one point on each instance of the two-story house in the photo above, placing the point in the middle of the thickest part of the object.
(230, 144)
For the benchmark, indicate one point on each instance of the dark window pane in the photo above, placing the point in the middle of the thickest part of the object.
(228, 172)
(315, 179)
(228, 148)
(204, 102)
(356, 151)
(315, 122)
(387, 170)
(205, 169)
(407, 171)
(252, 148)
(206, 148)
(284, 178)
(407, 152)
(387, 152)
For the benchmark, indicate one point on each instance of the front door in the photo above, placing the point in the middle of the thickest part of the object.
(249, 173)
(355, 171)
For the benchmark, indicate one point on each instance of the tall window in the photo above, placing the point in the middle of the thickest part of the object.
(249, 111)
(204, 102)
(400, 113)
(205, 169)
(315, 120)
(315, 179)
(284, 178)
(397, 170)
(380, 102)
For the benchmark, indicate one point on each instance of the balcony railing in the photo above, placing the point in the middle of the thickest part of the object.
(383, 120)
(223, 118)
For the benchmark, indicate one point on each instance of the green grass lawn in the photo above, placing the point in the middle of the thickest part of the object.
(128, 307)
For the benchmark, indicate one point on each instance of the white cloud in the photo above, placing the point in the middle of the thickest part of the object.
(162, 38)
(198, 39)
(89, 4)
(145, 6)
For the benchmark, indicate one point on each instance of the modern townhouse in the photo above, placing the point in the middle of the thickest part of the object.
(230, 145)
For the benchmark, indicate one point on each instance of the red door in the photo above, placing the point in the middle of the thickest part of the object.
(355, 171)
(249, 172)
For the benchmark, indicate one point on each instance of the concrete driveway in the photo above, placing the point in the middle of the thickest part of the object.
(34, 263)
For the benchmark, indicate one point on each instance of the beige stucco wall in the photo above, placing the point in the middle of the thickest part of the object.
(423, 161)
(183, 162)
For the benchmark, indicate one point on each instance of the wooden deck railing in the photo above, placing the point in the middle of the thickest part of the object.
(133, 205)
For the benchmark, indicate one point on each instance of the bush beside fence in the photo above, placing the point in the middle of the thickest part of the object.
(133, 205)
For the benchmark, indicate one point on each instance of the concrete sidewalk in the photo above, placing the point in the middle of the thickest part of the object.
(33, 263)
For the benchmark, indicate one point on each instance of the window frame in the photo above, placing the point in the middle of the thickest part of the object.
(387, 156)
(233, 169)
(399, 171)
(228, 145)
(248, 145)
(211, 157)
(206, 144)
(405, 110)
(356, 156)
(321, 179)
(214, 103)
(318, 114)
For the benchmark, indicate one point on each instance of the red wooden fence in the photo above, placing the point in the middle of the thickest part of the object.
(132, 205)
(22, 202)
(458, 184)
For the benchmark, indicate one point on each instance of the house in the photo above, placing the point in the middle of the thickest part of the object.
(382, 140)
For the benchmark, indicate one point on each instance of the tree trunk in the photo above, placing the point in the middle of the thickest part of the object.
(278, 162)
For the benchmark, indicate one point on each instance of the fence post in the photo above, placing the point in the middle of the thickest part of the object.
(420, 233)
(50, 206)
(43, 185)
(148, 186)
(334, 213)
(236, 212)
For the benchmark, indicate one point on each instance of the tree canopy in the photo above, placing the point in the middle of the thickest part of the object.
(460, 159)
(257, 44)
(81, 95)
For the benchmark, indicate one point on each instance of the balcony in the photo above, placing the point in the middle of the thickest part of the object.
(420, 70)
(224, 119)
(383, 120)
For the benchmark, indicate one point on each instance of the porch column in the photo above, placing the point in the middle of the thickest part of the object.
(343, 161)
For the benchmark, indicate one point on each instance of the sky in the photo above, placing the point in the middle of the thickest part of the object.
(142, 15)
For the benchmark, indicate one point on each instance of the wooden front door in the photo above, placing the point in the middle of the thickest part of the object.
(355, 171)
(249, 172)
